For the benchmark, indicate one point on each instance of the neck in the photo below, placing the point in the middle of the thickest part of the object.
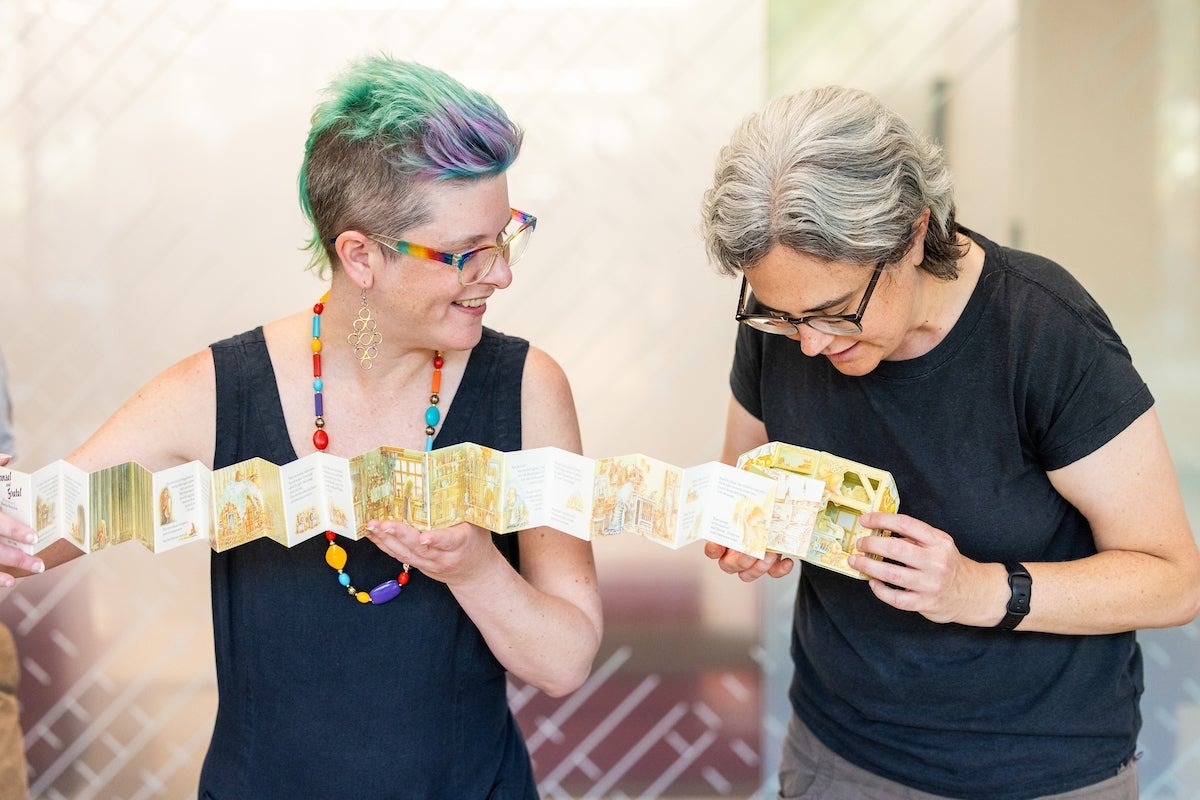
(940, 304)
(367, 342)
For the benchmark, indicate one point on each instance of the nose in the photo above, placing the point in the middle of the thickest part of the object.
(811, 340)
(500, 275)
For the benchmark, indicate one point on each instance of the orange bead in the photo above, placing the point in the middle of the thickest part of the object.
(335, 556)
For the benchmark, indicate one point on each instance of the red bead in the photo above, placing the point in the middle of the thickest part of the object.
(330, 535)
(318, 308)
(316, 365)
(438, 361)
(402, 578)
(321, 439)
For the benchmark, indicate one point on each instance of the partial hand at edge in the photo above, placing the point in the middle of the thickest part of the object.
(14, 562)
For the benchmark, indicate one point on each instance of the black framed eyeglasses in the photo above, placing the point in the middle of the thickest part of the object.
(751, 312)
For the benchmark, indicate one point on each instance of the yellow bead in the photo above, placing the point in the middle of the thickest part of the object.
(335, 556)
(316, 345)
(362, 597)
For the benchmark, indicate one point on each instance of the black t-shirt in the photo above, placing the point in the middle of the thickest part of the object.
(1031, 378)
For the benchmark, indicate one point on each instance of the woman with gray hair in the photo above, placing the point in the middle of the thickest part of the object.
(991, 654)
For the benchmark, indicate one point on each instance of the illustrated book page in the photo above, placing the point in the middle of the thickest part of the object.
(182, 506)
(819, 498)
(675, 507)
(54, 501)
(781, 498)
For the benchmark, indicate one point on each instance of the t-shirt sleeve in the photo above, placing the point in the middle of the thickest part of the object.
(1082, 389)
(745, 378)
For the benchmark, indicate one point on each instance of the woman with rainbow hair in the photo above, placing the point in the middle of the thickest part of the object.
(328, 689)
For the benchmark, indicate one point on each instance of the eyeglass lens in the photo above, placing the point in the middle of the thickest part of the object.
(513, 246)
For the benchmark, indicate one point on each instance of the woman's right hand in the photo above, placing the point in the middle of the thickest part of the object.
(747, 567)
(13, 558)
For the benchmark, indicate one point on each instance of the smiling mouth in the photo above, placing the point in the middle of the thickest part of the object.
(474, 303)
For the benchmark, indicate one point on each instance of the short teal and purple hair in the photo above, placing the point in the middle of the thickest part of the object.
(387, 128)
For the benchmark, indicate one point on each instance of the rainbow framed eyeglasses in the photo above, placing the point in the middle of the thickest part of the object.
(474, 265)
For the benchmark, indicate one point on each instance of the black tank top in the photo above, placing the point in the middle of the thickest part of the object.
(323, 697)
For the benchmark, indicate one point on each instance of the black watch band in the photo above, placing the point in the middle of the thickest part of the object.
(1021, 585)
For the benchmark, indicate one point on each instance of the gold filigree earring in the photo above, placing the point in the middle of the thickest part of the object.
(366, 337)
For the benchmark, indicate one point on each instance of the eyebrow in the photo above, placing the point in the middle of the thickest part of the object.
(470, 242)
(815, 311)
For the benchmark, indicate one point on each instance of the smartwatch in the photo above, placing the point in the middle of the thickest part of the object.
(1021, 585)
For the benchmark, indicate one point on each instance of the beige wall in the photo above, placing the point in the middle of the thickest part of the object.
(1109, 185)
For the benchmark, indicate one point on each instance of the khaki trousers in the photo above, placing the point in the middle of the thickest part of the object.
(811, 771)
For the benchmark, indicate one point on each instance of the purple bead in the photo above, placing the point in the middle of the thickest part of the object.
(319, 404)
(384, 592)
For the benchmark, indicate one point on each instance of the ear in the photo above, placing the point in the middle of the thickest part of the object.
(358, 255)
(919, 228)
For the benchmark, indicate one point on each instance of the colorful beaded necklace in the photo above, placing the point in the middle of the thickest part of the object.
(335, 554)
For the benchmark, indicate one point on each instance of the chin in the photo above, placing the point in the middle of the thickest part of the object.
(855, 368)
(462, 339)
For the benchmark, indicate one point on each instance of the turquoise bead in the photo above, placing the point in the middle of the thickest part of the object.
(432, 415)
(318, 385)
(343, 579)
(316, 326)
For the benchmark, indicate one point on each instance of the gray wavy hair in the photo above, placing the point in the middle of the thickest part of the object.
(834, 174)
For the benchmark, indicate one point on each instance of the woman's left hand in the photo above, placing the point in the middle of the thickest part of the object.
(454, 554)
(932, 577)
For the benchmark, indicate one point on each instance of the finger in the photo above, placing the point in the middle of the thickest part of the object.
(756, 570)
(781, 567)
(734, 562)
(881, 520)
(15, 531)
(397, 539)
(4, 457)
(19, 561)
(896, 598)
(895, 574)
(714, 550)
(900, 524)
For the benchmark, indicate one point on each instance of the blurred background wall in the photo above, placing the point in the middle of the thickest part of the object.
(148, 153)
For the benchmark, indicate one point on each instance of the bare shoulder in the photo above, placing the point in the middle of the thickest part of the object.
(547, 405)
(170, 420)
(542, 371)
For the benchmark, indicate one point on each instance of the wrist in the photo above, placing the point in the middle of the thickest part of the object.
(1020, 594)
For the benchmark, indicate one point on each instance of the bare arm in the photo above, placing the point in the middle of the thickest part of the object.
(1147, 571)
(743, 432)
(543, 624)
(1145, 575)
(168, 421)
